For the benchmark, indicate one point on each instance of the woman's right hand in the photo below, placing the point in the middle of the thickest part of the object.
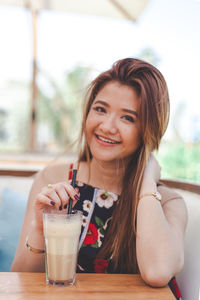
(55, 196)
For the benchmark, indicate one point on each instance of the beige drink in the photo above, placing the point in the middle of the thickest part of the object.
(61, 232)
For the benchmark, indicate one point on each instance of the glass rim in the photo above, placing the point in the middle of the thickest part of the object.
(51, 211)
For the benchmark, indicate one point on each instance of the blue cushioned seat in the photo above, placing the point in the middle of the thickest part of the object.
(12, 209)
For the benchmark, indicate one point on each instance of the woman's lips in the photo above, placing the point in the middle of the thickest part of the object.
(107, 140)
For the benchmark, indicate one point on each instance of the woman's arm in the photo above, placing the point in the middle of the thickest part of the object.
(160, 230)
(41, 197)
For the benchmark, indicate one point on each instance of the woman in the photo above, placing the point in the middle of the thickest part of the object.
(137, 225)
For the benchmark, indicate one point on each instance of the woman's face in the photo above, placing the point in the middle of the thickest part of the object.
(112, 125)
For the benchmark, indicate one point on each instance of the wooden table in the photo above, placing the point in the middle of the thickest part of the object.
(28, 286)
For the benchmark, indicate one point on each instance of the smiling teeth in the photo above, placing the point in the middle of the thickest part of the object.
(107, 141)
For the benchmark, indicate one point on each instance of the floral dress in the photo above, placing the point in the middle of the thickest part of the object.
(97, 207)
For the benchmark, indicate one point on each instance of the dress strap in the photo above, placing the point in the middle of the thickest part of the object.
(83, 235)
(175, 288)
(70, 173)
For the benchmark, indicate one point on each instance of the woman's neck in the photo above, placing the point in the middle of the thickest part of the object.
(106, 175)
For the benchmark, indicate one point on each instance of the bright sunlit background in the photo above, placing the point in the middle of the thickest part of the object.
(73, 48)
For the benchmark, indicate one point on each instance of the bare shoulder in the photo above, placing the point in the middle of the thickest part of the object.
(54, 173)
(50, 174)
(173, 205)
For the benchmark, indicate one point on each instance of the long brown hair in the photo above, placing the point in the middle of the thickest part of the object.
(152, 90)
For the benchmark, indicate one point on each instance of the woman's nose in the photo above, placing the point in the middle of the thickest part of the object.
(109, 124)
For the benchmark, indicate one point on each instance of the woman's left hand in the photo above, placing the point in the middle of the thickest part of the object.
(152, 174)
(153, 169)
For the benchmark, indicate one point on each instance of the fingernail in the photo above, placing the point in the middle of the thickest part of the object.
(76, 197)
(52, 203)
(65, 206)
(60, 208)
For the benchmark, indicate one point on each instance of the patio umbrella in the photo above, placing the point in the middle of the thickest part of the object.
(118, 9)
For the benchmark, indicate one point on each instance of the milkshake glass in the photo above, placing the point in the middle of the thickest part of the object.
(61, 235)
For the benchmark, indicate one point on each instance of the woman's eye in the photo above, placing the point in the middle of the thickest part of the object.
(129, 118)
(99, 109)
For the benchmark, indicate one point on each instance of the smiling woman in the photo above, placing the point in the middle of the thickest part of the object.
(130, 221)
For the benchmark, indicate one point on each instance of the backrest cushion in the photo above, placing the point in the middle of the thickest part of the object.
(189, 278)
(12, 211)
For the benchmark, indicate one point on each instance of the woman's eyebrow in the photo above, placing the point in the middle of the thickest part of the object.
(101, 102)
(133, 112)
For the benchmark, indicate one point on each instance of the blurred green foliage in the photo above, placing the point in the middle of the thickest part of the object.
(180, 160)
(59, 107)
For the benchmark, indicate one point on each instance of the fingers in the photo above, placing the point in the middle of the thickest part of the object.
(58, 195)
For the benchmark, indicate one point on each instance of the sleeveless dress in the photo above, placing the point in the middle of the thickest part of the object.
(97, 207)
